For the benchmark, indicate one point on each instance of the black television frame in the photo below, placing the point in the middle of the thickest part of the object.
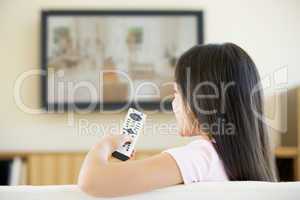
(153, 105)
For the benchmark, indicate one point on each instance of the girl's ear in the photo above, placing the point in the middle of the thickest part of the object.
(192, 122)
(176, 88)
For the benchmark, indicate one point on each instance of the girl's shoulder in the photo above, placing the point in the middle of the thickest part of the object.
(199, 142)
(197, 160)
(196, 148)
(202, 148)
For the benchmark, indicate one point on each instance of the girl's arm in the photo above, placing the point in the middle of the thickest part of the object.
(98, 177)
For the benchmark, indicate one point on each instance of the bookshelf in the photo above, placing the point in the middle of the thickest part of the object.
(55, 168)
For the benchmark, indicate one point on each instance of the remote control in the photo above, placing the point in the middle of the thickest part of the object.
(132, 126)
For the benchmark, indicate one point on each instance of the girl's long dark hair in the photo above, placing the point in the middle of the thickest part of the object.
(220, 85)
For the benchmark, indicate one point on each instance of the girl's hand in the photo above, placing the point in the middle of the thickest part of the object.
(113, 142)
(132, 156)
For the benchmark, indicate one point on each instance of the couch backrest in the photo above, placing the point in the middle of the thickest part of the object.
(204, 190)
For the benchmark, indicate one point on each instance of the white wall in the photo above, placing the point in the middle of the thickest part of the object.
(268, 30)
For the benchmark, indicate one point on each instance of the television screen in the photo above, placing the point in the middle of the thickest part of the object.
(114, 59)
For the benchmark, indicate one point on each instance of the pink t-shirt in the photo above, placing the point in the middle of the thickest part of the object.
(198, 161)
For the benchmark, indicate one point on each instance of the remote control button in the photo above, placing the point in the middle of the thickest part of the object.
(135, 117)
(130, 131)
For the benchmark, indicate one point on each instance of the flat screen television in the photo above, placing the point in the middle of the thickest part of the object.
(113, 59)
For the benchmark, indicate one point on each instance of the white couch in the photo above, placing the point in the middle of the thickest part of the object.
(205, 190)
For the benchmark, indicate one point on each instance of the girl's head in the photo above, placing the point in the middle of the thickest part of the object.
(217, 93)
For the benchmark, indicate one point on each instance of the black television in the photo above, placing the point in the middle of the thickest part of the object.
(113, 59)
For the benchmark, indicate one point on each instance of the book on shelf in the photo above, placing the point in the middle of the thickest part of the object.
(13, 171)
(16, 171)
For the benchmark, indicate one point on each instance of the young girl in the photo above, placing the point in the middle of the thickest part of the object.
(217, 100)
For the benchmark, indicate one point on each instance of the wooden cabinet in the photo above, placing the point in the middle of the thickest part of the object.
(289, 158)
(53, 169)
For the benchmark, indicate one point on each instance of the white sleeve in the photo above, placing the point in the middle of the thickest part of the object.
(193, 161)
